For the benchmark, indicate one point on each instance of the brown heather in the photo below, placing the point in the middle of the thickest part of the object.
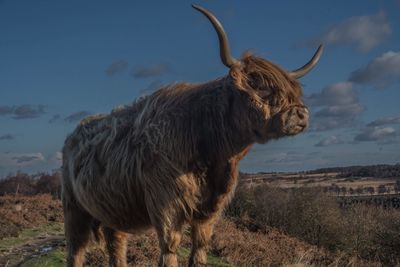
(365, 235)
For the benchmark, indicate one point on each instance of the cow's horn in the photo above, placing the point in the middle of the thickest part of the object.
(309, 65)
(224, 50)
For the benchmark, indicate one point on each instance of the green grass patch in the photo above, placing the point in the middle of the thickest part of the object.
(55, 258)
(183, 252)
(29, 234)
(211, 259)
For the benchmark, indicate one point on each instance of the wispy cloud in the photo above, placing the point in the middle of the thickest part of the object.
(151, 71)
(22, 159)
(27, 162)
(336, 106)
(7, 137)
(77, 116)
(28, 112)
(28, 158)
(376, 134)
(55, 118)
(21, 112)
(381, 72)
(328, 141)
(365, 32)
(6, 110)
(117, 67)
(384, 121)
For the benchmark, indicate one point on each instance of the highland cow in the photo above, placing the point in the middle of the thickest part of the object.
(171, 158)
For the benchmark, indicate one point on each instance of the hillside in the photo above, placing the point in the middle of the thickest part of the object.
(275, 219)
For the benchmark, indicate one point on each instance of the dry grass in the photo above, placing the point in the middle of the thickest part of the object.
(232, 242)
(243, 247)
(20, 212)
(268, 227)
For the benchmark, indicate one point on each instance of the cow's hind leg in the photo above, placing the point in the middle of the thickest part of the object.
(116, 246)
(169, 237)
(78, 225)
(201, 236)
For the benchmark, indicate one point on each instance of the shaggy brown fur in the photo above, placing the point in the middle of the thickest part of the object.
(172, 158)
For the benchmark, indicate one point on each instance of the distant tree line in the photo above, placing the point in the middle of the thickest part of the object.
(361, 190)
(25, 184)
(377, 171)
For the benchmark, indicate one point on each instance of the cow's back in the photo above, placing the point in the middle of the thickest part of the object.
(89, 152)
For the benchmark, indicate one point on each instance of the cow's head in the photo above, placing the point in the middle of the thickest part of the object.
(271, 95)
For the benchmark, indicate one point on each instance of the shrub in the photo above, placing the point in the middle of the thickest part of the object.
(306, 213)
(19, 184)
(24, 184)
(49, 184)
(359, 232)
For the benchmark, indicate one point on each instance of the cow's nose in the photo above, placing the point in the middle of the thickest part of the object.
(302, 113)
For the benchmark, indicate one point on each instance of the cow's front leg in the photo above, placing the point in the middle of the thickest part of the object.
(201, 236)
(116, 242)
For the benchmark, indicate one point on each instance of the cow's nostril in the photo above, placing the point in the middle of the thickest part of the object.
(301, 113)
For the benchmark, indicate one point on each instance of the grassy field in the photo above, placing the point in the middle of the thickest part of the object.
(296, 180)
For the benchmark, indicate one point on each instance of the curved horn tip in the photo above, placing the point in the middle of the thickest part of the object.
(225, 54)
(320, 49)
(317, 54)
(309, 65)
(197, 7)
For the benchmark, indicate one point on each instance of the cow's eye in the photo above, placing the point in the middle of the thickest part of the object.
(264, 94)
(256, 81)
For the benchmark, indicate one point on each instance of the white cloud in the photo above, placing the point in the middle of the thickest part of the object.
(21, 159)
(365, 32)
(341, 111)
(58, 156)
(336, 94)
(11, 162)
(117, 67)
(330, 140)
(336, 106)
(376, 134)
(21, 112)
(77, 116)
(384, 121)
(380, 72)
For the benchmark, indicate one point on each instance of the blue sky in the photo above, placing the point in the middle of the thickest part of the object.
(63, 60)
